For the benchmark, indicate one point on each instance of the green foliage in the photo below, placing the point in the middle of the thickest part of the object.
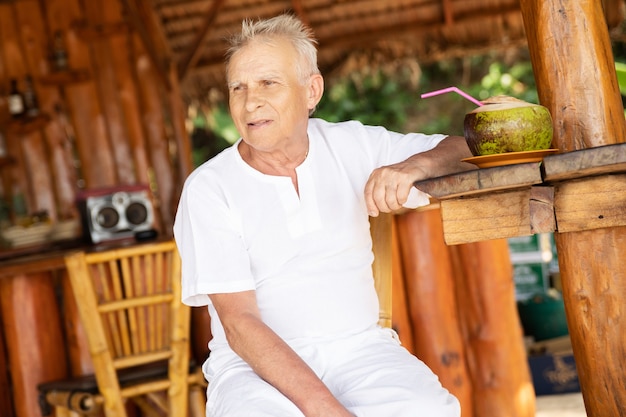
(516, 81)
(213, 130)
(620, 69)
(374, 99)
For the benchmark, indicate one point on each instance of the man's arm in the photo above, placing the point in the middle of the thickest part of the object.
(388, 187)
(271, 358)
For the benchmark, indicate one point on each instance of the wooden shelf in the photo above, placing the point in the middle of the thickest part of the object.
(89, 32)
(6, 161)
(65, 77)
(27, 125)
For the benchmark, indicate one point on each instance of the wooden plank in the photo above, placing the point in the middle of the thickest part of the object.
(482, 180)
(585, 162)
(541, 205)
(484, 217)
(591, 203)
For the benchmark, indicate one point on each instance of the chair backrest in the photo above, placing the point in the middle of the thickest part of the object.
(381, 231)
(129, 303)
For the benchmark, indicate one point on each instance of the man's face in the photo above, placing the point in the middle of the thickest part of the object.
(268, 103)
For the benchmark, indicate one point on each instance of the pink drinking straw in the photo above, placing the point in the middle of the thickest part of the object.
(455, 90)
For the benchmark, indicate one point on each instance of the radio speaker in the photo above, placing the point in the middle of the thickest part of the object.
(116, 213)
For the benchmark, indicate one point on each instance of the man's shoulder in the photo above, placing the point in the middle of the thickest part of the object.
(219, 165)
(324, 125)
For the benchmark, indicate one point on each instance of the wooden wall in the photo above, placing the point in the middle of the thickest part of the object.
(112, 118)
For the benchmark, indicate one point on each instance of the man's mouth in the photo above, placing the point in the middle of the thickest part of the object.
(257, 123)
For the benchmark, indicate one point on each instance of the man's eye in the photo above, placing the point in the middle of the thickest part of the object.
(268, 83)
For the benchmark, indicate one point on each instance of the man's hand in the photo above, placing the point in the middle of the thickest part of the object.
(388, 187)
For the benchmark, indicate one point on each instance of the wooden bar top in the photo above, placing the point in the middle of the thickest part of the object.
(47, 257)
(567, 192)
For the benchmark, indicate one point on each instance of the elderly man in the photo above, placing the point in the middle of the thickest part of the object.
(274, 238)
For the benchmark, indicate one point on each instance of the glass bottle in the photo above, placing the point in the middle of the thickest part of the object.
(31, 104)
(59, 52)
(16, 100)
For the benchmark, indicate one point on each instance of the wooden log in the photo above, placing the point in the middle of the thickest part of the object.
(594, 289)
(154, 122)
(586, 107)
(584, 98)
(104, 51)
(433, 308)
(493, 335)
(6, 398)
(32, 327)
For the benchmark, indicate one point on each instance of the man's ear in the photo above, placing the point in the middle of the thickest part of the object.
(316, 89)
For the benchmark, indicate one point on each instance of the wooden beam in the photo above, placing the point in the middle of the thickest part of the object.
(482, 181)
(355, 35)
(298, 7)
(591, 203)
(158, 55)
(448, 13)
(191, 57)
(496, 215)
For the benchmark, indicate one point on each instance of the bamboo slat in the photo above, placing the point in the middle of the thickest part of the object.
(121, 281)
(380, 229)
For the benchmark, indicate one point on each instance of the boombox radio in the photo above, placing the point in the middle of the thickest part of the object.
(116, 212)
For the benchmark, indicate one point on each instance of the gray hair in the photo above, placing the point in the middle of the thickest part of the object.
(283, 26)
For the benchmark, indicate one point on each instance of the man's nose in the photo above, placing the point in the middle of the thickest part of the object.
(254, 99)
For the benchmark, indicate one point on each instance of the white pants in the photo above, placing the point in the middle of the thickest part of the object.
(370, 374)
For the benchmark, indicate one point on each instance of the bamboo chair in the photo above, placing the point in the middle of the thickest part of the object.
(380, 229)
(129, 302)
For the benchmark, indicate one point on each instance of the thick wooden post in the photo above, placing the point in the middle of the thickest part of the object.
(492, 331)
(437, 337)
(574, 69)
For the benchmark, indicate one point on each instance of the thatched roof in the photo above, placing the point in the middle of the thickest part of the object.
(425, 30)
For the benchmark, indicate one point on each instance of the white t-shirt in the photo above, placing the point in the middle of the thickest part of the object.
(308, 257)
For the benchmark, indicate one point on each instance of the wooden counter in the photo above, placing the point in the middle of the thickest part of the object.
(568, 192)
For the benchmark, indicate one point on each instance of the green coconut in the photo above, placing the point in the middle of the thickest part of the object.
(505, 124)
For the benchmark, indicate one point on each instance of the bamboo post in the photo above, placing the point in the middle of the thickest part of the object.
(573, 64)
(432, 306)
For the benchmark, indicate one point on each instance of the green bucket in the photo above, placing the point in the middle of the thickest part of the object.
(543, 316)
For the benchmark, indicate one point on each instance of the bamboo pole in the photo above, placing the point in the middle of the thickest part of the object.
(432, 305)
(573, 64)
